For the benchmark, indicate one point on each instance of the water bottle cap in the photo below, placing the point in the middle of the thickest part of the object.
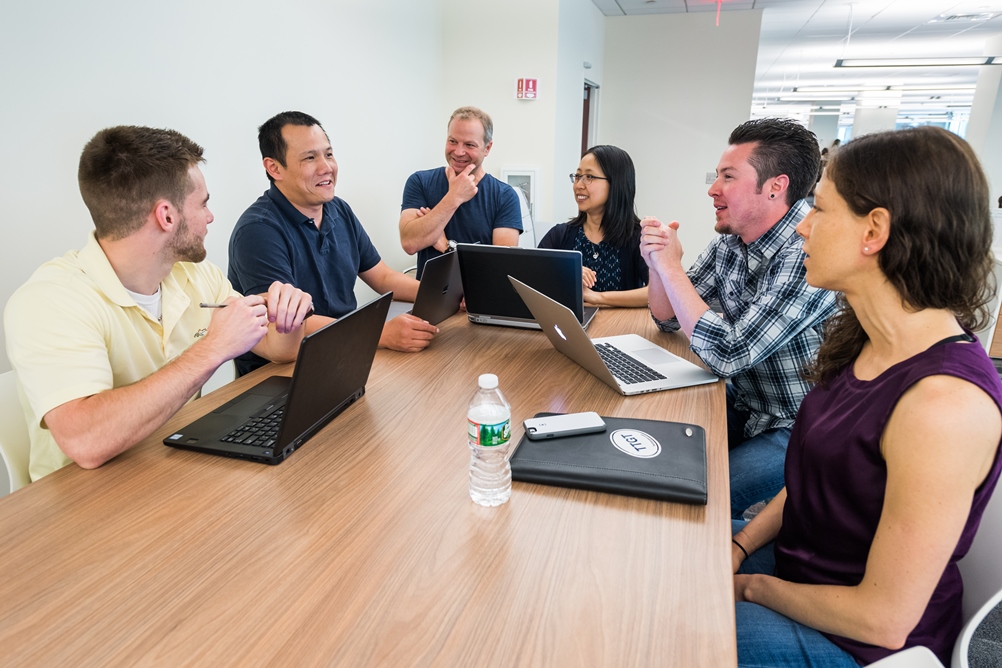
(488, 381)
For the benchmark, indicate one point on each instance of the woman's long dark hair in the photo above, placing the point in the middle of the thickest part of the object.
(938, 251)
(620, 223)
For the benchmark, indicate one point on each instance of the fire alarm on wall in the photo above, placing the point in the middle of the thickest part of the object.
(526, 89)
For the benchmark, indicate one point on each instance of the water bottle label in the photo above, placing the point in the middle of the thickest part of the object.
(489, 435)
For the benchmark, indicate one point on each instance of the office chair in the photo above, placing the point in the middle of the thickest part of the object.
(980, 641)
(14, 442)
(913, 657)
(528, 237)
(982, 592)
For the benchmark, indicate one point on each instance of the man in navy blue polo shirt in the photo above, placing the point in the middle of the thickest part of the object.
(460, 203)
(299, 230)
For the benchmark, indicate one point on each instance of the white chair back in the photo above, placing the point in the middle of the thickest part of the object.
(14, 442)
(913, 657)
(962, 647)
(528, 237)
(982, 567)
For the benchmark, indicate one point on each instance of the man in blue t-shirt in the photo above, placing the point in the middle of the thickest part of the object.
(460, 203)
(299, 230)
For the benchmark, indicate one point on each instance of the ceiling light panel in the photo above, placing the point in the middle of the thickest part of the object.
(711, 5)
(942, 61)
(637, 7)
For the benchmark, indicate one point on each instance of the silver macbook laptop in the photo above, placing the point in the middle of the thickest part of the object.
(629, 364)
(439, 294)
(269, 421)
(490, 299)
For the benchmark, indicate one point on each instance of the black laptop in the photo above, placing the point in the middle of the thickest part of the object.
(490, 297)
(272, 419)
(440, 292)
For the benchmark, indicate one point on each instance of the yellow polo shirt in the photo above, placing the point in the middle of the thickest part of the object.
(73, 331)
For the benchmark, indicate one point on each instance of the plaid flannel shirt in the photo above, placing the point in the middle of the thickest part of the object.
(772, 320)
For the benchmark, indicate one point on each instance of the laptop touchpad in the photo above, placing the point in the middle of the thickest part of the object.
(246, 406)
(654, 356)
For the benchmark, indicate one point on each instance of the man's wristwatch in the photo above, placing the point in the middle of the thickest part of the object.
(452, 246)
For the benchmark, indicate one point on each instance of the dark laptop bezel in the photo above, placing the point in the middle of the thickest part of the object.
(368, 317)
(485, 270)
(441, 289)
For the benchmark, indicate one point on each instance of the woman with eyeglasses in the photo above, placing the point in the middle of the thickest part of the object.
(895, 452)
(607, 229)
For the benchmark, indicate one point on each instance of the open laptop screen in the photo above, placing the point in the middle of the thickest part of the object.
(485, 271)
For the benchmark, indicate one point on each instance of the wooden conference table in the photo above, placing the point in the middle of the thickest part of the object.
(364, 549)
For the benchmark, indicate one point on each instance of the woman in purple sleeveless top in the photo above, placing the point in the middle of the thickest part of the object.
(895, 452)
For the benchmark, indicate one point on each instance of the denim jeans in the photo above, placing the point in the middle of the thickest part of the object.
(767, 638)
(756, 464)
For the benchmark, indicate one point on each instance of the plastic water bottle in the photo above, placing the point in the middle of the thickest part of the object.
(489, 418)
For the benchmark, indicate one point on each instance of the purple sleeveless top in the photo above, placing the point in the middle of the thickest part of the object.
(835, 481)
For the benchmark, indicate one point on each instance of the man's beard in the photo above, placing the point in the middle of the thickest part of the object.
(185, 247)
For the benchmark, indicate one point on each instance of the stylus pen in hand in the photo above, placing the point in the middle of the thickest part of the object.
(212, 305)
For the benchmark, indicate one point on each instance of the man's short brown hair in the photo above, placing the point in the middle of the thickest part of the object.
(471, 113)
(124, 170)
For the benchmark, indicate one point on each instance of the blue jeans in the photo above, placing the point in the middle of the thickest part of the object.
(767, 638)
(756, 464)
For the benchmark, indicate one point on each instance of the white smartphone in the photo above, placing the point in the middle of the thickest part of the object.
(555, 426)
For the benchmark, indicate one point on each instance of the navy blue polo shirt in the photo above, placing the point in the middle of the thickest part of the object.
(495, 205)
(274, 241)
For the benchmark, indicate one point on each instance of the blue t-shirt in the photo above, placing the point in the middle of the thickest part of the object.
(274, 241)
(495, 205)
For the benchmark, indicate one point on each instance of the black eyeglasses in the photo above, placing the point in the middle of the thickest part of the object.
(588, 178)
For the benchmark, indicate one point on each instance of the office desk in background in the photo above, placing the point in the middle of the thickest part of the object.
(364, 549)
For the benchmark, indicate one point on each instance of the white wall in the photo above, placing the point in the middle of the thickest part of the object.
(383, 78)
(873, 119)
(371, 72)
(984, 132)
(675, 88)
(546, 39)
(580, 39)
(486, 47)
(826, 129)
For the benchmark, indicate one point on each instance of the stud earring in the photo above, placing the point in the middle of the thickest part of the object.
(772, 196)
(866, 249)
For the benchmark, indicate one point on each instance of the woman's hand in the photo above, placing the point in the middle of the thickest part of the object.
(740, 585)
(592, 297)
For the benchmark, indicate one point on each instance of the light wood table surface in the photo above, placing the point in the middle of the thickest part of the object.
(996, 348)
(364, 549)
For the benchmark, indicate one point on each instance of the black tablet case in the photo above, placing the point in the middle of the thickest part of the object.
(592, 462)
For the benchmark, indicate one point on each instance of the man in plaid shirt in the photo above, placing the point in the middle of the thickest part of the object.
(771, 322)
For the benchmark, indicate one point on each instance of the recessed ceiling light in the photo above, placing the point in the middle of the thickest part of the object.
(963, 18)
(820, 91)
(950, 61)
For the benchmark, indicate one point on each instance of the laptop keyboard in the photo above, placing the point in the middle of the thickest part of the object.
(624, 367)
(260, 431)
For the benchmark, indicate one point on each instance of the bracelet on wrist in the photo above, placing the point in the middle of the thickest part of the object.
(740, 547)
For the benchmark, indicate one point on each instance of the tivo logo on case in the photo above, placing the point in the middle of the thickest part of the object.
(635, 443)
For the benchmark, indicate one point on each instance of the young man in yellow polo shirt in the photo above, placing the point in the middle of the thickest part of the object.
(110, 341)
